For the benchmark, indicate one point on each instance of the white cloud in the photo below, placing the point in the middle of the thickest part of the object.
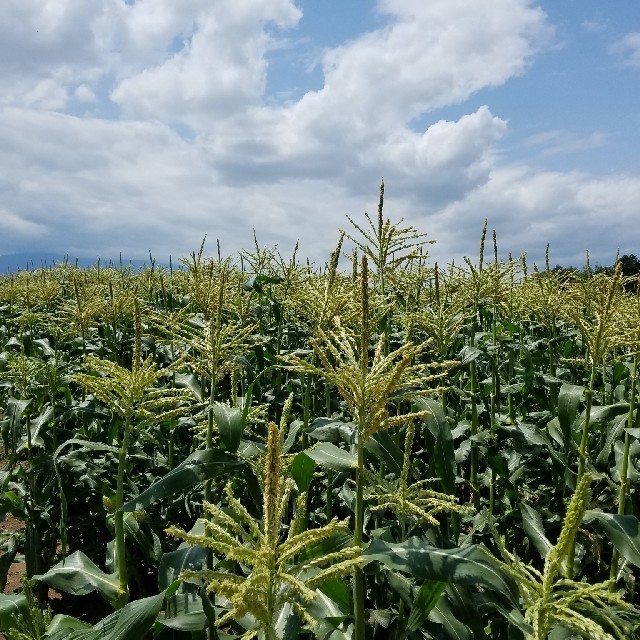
(219, 70)
(432, 54)
(571, 211)
(84, 93)
(628, 48)
(293, 170)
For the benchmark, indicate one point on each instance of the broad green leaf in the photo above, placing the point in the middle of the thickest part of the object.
(44, 345)
(426, 598)
(292, 435)
(332, 457)
(189, 381)
(129, 623)
(444, 453)
(462, 600)
(85, 444)
(600, 413)
(248, 450)
(330, 430)
(301, 470)
(623, 530)
(256, 283)
(534, 435)
(330, 617)
(173, 563)
(466, 356)
(468, 565)
(339, 592)
(404, 586)
(35, 427)
(453, 627)
(384, 447)
(78, 575)
(615, 430)
(198, 467)
(62, 623)
(183, 612)
(10, 606)
(229, 423)
(150, 547)
(287, 623)
(534, 529)
(569, 398)
(15, 409)
(513, 615)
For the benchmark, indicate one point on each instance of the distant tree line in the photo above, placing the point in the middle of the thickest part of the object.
(629, 267)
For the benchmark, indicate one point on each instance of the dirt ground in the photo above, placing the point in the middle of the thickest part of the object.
(11, 525)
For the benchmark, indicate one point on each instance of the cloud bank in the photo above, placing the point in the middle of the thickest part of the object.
(136, 126)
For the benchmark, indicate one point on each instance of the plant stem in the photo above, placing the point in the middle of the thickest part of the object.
(473, 474)
(624, 474)
(119, 518)
(358, 580)
(582, 454)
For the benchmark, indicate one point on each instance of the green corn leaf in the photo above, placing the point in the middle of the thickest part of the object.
(328, 455)
(230, 427)
(198, 467)
(36, 425)
(425, 600)
(569, 398)
(78, 575)
(183, 612)
(534, 529)
(10, 606)
(173, 563)
(189, 381)
(488, 600)
(129, 623)
(444, 453)
(384, 447)
(301, 470)
(467, 565)
(463, 604)
(330, 616)
(15, 409)
(616, 429)
(65, 624)
(467, 355)
(287, 623)
(339, 593)
(623, 530)
(330, 430)
(453, 627)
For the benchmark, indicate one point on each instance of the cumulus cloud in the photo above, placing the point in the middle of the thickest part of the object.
(219, 69)
(571, 211)
(190, 145)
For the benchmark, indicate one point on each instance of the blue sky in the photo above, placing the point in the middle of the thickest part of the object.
(143, 125)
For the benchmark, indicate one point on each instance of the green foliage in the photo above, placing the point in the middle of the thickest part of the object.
(438, 428)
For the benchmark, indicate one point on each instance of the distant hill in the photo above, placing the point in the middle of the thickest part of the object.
(29, 261)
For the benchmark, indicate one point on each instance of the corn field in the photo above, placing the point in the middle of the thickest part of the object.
(377, 448)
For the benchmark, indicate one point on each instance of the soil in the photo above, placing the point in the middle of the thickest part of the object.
(13, 525)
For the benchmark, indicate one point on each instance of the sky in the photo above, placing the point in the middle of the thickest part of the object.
(141, 126)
